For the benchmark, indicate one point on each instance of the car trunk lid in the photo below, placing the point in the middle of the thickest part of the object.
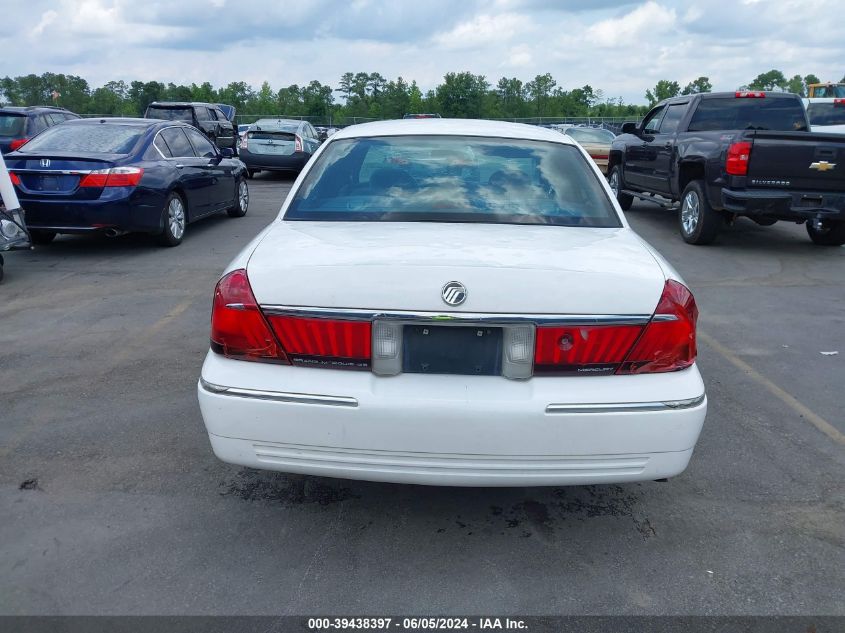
(505, 268)
(58, 174)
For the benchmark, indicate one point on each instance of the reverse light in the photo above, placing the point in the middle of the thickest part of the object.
(114, 177)
(387, 348)
(736, 163)
(668, 342)
(17, 143)
(238, 328)
(244, 142)
(749, 94)
(297, 144)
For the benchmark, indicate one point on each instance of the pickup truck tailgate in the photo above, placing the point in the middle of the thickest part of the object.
(797, 161)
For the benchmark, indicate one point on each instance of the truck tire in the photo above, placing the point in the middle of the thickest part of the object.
(698, 222)
(617, 185)
(831, 233)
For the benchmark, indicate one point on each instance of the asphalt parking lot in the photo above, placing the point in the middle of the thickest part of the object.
(113, 503)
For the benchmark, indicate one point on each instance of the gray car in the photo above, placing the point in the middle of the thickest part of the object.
(278, 145)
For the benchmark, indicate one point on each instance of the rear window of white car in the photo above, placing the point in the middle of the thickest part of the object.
(453, 179)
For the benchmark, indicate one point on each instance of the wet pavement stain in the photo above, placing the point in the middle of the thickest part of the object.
(254, 485)
(30, 484)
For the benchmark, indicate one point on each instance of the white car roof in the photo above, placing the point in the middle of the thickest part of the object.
(452, 127)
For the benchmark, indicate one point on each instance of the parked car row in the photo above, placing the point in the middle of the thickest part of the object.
(744, 153)
(115, 175)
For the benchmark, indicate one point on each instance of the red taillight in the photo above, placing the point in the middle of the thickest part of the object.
(587, 349)
(15, 178)
(115, 177)
(736, 163)
(17, 143)
(324, 342)
(238, 328)
(297, 144)
(749, 94)
(668, 342)
(839, 102)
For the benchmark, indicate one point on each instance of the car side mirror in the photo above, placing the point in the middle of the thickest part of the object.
(629, 127)
(227, 152)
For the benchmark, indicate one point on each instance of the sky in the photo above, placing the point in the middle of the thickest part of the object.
(620, 47)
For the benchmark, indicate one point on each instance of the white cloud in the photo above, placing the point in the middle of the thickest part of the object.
(649, 20)
(621, 48)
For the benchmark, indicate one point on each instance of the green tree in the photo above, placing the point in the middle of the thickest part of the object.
(697, 86)
(511, 94)
(771, 80)
(461, 95)
(664, 89)
(540, 88)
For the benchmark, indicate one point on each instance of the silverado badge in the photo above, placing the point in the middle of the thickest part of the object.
(822, 165)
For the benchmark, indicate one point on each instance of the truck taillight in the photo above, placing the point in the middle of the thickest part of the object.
(244, 140)
(114, 177)
(749, 94)
(666, 343)
(839, 102)
(297, 144)
(238, 328)
(736, 163)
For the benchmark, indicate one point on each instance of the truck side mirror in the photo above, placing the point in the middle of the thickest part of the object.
(629, 127)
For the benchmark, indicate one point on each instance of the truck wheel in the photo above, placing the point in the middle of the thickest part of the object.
(830, 233)
(617, 185)
(698, 221)
(41, 237)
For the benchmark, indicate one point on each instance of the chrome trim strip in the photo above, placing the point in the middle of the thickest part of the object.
(625, 407)
(473, 317)
(279, 396)
(63, 172)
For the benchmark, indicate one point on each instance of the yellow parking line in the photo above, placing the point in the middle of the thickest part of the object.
(813, 418)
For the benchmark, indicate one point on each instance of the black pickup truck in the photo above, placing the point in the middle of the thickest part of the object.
(724, 155)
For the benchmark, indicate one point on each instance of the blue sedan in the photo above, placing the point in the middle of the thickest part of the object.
(117, 175)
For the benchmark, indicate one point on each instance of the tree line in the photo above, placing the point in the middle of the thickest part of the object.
(358, 96)
(772, 80)
(365, 95)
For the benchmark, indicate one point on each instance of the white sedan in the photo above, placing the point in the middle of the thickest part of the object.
(453, 303)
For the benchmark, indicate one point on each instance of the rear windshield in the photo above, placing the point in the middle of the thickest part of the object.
(826, 114)
(12, 124)
(452, 179)
(267, 135)
(744, 113)
(98, 139)
(590, 135)
(171, 114)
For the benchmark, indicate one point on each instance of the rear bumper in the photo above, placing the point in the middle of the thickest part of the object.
(452, 430)
(86, 216)
(273, 162)
(783, 205)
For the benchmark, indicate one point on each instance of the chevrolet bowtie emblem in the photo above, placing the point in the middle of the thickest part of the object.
(822, 165)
